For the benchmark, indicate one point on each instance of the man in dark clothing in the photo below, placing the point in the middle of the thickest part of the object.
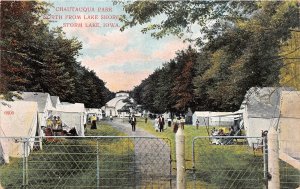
(94, 120)
(133, 122)
(161, 123)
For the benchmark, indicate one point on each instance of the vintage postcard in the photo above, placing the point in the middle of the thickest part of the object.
(149, 94)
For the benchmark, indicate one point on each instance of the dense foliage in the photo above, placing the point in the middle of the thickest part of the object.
(246, 45)
(37, 58)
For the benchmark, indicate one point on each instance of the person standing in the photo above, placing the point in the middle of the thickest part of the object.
(93, 120)
(176, 124)
(197, 124)
(49, 123)
(54, 123)
(59, 123)
(163, 122)
(156, 124)
(169, 122)
(133, 123)
(160, 122)
(182, 121)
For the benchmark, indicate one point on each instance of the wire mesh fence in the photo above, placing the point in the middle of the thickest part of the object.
(140, 162)
(289, 163)
(87, 162)
(228, 162)
(289, 176)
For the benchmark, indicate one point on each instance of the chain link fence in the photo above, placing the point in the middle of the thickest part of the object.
(289, 163)
(138, 162)
(228, 162)
(289, 176)
(86, 162)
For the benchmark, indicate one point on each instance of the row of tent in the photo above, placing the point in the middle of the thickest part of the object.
(27, 114)
(264, 109)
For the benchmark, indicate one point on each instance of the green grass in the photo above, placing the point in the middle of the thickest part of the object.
(215, 165)
(189, 131)
(103, 130)
(289, 176)
(72, 163)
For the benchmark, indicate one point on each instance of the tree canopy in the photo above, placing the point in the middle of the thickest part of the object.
(162, 18)
(247, 44)
(37, 58)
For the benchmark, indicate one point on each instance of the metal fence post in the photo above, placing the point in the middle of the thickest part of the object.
(273, 159)
(194, 167)
(25, 163)
(180, 159)
(265, 154)
(98, 167)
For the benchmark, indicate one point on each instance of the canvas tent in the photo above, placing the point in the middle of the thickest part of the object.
(72, 115)
(94, 111)
(189, 116)
(44, 104)
(55, 101)
(289, 126)
(207, 118)
(261, 111)
(16, 121)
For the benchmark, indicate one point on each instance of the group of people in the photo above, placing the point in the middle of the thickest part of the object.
(54, 123)
(55, 128)
(220, 132)
(178, 121)
(159, 123)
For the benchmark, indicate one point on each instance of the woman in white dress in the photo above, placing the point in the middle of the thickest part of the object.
(156, 124)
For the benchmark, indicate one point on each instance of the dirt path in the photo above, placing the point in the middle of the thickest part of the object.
(152, 155)
(125, 127)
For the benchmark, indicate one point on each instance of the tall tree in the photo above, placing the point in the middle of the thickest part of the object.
(36, 58)
(290, 54)
(19, 24)
(182, 91)
(242, 48)
(179, 17)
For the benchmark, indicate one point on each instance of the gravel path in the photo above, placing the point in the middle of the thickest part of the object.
(152, 155)
(125, 127)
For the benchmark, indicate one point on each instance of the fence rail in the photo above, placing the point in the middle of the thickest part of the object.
(86, 162)
(138, 162)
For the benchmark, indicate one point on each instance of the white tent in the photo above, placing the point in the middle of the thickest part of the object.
(55, 102)
(17, 119)
(207, 118)
(289, 125)
(94, 111)
(261, 111)
(72, 115)
(44, 104)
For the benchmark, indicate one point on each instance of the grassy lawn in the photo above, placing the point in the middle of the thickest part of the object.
(72, 163)
(76, 163)
(216, 165)
(189, 131)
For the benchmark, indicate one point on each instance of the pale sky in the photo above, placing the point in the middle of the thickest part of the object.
(121, 59)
